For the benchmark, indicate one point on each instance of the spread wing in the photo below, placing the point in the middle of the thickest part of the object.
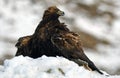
(70, 45)
(22, 41)
(22, 45)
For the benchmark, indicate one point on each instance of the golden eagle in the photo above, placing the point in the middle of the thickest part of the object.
(52, 38)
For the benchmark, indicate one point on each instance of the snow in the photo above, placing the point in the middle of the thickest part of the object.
(45, 67)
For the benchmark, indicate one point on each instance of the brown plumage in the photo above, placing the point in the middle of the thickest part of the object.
(53, 38)
(22, 46)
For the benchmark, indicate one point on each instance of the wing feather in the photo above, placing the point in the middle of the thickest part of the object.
(67, 41)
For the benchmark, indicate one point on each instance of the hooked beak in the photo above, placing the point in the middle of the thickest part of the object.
(61, 13)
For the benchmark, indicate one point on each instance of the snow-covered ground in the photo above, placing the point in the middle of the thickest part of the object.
(19, 18)
(45, 67)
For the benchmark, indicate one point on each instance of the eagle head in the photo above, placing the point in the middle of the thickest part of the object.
(53, 12)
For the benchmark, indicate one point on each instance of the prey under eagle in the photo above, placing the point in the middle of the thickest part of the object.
(52, 38)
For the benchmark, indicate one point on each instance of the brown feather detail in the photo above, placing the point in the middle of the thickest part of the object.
(22, 45)
(23, 41)
(67, 41)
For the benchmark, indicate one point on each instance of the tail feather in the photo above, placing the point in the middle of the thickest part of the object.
(91, 65)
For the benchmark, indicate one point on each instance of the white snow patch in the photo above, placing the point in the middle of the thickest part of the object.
(45, 67)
